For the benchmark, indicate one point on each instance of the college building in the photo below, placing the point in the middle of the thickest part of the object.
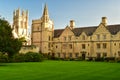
(98, 41)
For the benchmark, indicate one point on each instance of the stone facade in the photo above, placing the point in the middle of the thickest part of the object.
(72, 42)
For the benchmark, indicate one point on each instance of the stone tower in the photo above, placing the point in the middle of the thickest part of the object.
(42, 32)
(20, 23)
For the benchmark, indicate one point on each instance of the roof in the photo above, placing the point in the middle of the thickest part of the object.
(113, 29)
(58, 32)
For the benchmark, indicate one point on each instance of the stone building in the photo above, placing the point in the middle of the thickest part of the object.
(73, 42)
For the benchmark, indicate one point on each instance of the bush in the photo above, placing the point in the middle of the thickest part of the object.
(100, 59)
(4, 58)
(33, 57)
(18, 58)
(109, 59)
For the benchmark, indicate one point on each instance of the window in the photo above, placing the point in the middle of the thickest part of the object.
(98, 46)
(48, 45)
(98, 55)
(70, 45)
(119, 45)
(64, 46)
(83, 37)
(98, 36)
(70, 55)
(114, 44)
(58, 55)
(64, 55)
(118, 53)
(104, 36)
(104, 54)
(49, 38)
(104, 45)
(56, 46)
(64, 38)
(83, 46)
(77, 55)
(38, 28)
(69, 38)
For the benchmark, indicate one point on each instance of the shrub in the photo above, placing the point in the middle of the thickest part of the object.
(4, 58)
(18, 58)
(110, 59)
(33, 57)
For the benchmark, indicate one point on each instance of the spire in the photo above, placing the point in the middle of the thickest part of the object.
(45, 13)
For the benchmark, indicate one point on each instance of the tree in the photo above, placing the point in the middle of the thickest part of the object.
(8, 44)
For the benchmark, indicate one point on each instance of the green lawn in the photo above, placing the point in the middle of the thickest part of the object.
(60, 70)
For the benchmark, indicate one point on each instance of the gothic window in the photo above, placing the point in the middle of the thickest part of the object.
(104, 45)
(118, 53)
(83, 46)
(98, 46)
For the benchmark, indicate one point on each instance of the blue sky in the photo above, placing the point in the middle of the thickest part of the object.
(84, 12)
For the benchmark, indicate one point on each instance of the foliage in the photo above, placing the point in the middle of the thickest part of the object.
(3, 58)
(8, 44)
(18, 58)
(33, 57)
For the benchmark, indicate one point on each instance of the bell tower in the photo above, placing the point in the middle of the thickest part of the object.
(42, 32)
(20, 23)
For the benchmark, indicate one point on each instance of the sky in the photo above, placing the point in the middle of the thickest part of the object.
(84, 12)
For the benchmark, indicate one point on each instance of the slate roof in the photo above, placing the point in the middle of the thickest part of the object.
(113, 29)
(58, 32)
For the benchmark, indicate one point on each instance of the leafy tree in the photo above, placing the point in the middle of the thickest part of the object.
(8, 44)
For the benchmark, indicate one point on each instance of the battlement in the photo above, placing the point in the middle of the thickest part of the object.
(18, 12)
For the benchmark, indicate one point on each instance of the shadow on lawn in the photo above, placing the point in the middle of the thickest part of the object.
(4, 64)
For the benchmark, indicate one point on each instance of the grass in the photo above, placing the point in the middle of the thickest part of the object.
(60, 70)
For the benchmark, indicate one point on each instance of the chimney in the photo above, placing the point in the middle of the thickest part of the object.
(104, 21)
(72, 24)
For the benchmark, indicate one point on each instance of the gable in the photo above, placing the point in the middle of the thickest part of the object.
(67, 31)
(101, 29)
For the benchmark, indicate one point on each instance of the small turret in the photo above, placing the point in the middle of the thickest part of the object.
(72, 24)
(104, 21)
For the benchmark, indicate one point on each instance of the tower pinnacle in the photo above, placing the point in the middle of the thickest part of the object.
(45, 13)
